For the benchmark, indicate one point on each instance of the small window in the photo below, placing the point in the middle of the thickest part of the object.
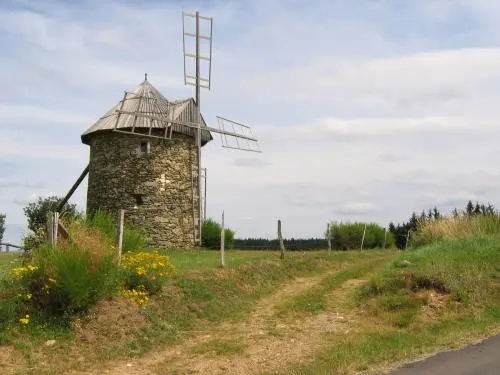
(138, 200)
(144, 147)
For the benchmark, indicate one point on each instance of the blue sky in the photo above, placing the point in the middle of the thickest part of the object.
(366, 110)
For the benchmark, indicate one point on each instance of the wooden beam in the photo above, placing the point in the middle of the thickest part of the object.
(73, 188)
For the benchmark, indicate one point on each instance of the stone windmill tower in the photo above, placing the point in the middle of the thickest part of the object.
(150, 174)
(145, 156)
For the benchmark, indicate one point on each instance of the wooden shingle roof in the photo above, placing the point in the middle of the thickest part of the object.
(145, 99)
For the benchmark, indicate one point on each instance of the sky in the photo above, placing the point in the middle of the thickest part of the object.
(365, 110)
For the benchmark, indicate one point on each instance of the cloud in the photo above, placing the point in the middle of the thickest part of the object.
(250, 163)
(400, 116)
(355, 208)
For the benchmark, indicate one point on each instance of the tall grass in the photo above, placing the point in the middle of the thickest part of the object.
(133, 239)
(460, 227)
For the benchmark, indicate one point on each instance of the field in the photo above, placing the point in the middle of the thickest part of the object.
(312, 313)
(6, 260)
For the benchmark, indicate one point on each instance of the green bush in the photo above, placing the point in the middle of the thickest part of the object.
(36, 212)
(71, 281)
(211, 231)
(345, 236)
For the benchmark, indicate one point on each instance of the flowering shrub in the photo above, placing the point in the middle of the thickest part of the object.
(146, 269)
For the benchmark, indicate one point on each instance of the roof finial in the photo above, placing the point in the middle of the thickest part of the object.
(145, 76)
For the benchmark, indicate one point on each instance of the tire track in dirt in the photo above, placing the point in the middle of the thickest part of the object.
(268, 344)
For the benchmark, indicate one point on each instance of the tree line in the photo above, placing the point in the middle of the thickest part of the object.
(343, 235)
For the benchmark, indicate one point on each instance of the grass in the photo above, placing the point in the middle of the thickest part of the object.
(6, 260)
(460, 227)
(393, 324)
(414, 303)
(198, 297)
(200, 260)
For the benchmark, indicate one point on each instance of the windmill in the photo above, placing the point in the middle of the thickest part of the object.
(234, 135)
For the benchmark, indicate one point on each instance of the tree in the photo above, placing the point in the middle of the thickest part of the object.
(436, 213)
(211, 231)
(477, 209)
(469, 208)
(2, 226)
(36, 212)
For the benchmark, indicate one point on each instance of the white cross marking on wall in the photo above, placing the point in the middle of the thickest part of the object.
(163, 182)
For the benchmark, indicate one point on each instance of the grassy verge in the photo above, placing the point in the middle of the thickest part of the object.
(192, 301)
(440, 296)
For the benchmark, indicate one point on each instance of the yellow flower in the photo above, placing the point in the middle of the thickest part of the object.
(24, 320)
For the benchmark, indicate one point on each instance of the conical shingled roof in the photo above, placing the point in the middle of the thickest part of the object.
(145, 99)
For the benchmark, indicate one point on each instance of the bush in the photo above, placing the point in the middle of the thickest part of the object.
(36, 212)
(146, 271)
(347, 235)
(211, 231)
(69, 279)
(59, 282)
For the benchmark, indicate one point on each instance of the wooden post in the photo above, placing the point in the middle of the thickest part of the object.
(222, 237)
(363, 239)
(385, 237)
(407, 238)
(280, 238)
(121, 217)
(7, 248)
(52, 226)
(329, 238)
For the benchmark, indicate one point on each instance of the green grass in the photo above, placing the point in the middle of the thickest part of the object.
(392, 326)
(185, 261)
(220, 347)
(381, 349)
(7, 260)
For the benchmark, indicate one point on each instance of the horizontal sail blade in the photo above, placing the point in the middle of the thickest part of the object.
(237, 136)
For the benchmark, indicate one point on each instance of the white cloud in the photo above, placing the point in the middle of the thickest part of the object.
(331, 99)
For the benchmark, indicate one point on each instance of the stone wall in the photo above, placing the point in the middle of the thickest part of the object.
(120, 174)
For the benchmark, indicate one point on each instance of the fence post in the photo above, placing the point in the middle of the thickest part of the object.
(280, 238)
(385, 237)
(329, 239)
(407, 238)
(222, 237)
(7, 248)
(121, 217)
(52, 226)
(363, 239)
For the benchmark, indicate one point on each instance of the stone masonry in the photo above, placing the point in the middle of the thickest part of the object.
(156, 182)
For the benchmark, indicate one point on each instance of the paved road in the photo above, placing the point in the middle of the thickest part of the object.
(478, 359)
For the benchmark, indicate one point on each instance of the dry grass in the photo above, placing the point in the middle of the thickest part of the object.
(460, 227)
